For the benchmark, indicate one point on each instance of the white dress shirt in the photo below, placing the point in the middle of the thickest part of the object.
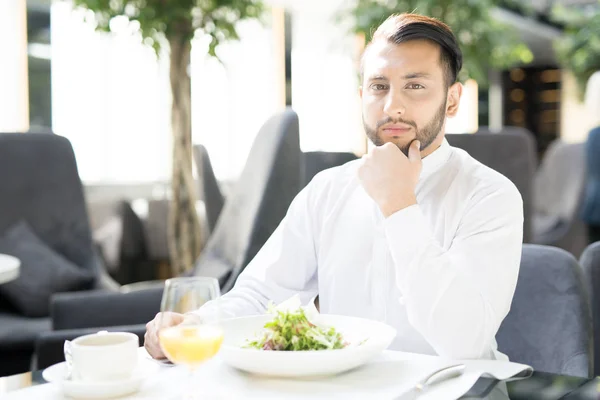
(442, 272)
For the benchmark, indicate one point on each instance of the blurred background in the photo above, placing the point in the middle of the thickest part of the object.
(97, 73)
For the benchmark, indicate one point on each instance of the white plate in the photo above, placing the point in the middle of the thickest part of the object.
(99, 390)
(304, 363)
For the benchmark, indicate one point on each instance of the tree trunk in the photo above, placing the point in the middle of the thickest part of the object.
(184, 224)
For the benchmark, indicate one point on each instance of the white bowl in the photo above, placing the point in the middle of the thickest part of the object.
(304, 363)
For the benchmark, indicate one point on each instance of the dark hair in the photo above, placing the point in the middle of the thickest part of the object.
(399, 28)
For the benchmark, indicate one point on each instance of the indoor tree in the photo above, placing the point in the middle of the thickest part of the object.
(578, 49)
(173, 24)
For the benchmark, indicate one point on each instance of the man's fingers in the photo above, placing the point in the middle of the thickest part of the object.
(153, 346)
(151, 339)
(414, 151)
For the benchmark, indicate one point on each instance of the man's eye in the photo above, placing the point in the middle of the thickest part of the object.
(378, 86)
(415, 86)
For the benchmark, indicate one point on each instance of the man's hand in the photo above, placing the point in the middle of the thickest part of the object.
(161, 321)
(390, 178)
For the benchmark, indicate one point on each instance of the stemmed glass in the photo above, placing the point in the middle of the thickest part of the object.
(197, 338)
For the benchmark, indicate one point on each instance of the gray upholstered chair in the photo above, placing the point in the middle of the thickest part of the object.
(209, 191)
(590, 262)
(317, 161)
(549, 325)
(510, 152)
(75, 315)
(40, 186)
(258, 201)
(559, 188)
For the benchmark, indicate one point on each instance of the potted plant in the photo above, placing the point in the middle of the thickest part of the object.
(578, 50)
(172, 24)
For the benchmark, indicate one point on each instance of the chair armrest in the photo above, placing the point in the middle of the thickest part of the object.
(103, 279)
(49, 345)
(91, 309)
(144, 285)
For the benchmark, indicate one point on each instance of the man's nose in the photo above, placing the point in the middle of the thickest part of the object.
(394, 106)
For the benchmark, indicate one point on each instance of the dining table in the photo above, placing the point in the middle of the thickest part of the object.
(382, 378)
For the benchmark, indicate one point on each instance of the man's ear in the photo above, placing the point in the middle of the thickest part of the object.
(454, 94)
(360, 91)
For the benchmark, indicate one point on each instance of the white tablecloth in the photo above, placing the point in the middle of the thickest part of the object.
(384, 378)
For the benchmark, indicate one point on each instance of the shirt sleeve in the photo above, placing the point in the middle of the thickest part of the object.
(457, 297)
(285, 266)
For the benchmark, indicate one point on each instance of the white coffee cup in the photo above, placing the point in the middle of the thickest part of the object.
(104, 356)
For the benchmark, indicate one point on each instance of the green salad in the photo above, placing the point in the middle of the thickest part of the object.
(292, 331)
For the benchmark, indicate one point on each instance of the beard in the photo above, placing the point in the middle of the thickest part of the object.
(426, 135)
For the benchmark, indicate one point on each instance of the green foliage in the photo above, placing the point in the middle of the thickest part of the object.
(484, 41)
(176, 19)
(579, 48)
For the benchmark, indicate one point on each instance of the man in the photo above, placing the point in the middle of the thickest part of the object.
(591, 204)
(417, 234)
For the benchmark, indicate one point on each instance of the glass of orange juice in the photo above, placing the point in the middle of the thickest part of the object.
(188, 338)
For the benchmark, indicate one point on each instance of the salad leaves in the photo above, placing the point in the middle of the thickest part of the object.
(291, 330)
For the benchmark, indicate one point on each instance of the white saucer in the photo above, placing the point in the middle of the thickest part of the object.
(99, 390)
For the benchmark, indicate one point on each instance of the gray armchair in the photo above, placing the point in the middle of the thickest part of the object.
(510, 152)
(258, 202)
(559, 193)
(317, 161)
(74, 315)
(40, 186)
(549, 325)
(210, 193)
(590, 262)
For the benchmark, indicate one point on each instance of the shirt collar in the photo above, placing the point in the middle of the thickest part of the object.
(435, 160)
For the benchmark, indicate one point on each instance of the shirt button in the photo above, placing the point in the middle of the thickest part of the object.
(401, 300)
